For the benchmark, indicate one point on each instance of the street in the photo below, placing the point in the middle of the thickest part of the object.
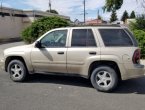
(50, 92)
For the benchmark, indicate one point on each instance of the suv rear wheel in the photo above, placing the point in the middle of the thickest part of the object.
(17, 70)
(104, 78)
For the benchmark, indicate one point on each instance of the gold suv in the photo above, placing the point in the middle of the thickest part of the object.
(103, 54)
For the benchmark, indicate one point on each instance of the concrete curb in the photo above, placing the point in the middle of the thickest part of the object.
(10, 40)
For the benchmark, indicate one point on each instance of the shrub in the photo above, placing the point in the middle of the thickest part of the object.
(140, 36)
(41, 26)
(139, 24)
(138, 29)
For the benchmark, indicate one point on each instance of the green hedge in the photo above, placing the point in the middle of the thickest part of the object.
(139, 24)
(138, 28)
(140, 36)
(41, 26)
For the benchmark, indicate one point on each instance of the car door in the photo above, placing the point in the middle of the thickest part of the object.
(52, 56)
(83, 49)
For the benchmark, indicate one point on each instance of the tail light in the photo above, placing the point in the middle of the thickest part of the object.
(136, 57)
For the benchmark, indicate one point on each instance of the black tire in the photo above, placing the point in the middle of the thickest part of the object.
(17, 71)
(104, 79)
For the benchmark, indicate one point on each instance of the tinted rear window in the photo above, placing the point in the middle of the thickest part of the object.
(115, 37)
(83, 38)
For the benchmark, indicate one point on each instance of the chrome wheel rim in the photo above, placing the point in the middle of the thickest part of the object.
(16, 71)
(103, 79)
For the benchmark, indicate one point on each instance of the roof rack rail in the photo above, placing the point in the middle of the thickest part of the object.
(100, 25)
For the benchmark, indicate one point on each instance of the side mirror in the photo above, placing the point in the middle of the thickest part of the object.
(38, 44)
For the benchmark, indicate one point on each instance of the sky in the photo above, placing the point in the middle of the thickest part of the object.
(74, 8)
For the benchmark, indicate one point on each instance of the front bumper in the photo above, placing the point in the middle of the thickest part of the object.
(2, 64)
(134, 71)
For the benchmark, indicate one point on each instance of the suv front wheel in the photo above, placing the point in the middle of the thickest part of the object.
(17, 70)
(104, 78)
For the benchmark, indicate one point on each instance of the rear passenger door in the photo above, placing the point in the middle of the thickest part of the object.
(82, 47)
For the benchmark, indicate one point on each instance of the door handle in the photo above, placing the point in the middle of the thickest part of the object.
(92, 53)
(60, 53)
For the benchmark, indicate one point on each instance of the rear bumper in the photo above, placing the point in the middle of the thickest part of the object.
(133, 71)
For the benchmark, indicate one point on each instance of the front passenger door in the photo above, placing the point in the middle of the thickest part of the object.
(52, 56)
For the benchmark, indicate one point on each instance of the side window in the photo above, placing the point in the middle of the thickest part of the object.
(83, 38)
(55, 39)
(115, 37)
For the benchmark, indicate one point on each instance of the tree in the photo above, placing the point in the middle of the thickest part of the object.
(111, 5)
(139, 24)
(41, 26)
(116, 4)
(138, 28)
(132, 15)
(140, 36)
(124, 16)
(52, 11)
(113, 16)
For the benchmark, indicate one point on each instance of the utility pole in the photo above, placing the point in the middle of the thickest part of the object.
(1, 7)
(99, 14)
(50, 5)
(84, 11)
(1, 4)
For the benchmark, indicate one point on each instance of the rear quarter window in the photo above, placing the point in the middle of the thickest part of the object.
(115, 37)
(132, 36)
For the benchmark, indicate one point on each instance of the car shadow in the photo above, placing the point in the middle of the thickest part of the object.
(135, 86)
(59, 79)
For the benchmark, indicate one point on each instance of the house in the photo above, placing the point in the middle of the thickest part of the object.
(94, 22)
(128, 21)
(117, 22)
(14, 21)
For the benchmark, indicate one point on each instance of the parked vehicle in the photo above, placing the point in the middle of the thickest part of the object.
(103, 54)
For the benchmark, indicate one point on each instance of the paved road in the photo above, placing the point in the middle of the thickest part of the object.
(47, 92)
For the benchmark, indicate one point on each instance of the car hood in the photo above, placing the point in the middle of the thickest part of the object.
(17, 49)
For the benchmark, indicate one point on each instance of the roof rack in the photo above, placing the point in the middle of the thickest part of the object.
(100, 25)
